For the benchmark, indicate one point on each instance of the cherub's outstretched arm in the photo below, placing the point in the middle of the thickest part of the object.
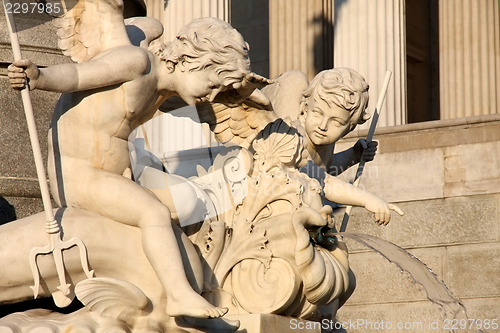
(341, 192)
(119, 65)
(246, 89)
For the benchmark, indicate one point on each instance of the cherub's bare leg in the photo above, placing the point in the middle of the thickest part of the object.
(120, 199)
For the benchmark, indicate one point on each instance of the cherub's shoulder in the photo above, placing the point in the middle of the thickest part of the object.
(131, 53)
(128, 57)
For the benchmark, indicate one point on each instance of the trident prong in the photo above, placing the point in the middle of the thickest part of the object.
(63, 297)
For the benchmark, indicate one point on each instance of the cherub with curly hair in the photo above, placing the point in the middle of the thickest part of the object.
(320, 113)
(333, 105)
(114, 87)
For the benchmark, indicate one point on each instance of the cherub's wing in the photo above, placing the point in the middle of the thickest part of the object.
(238, 124)
(286, 93)
(143, 30)
(83, 29)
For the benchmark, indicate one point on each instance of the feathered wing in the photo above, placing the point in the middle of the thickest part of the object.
(143, 30)
(238, 124)
(83, 28)
(286, 93)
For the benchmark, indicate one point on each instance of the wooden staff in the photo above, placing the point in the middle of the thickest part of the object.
(369, 138)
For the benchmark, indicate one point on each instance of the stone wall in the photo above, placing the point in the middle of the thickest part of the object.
(444, 175)
(18, 181)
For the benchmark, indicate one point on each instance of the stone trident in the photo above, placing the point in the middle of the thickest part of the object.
(62, 297)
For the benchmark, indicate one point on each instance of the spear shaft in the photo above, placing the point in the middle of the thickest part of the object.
(369, 138)
(28, 110)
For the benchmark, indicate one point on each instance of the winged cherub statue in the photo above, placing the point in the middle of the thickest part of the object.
(320, 113)
(114, 86)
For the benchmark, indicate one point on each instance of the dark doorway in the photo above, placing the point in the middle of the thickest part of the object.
(422, 49)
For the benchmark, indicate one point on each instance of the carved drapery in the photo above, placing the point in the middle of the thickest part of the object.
(469, 59)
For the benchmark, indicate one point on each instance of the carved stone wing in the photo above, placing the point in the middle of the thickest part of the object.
(143, 30)
(238, 124)
(285, 93)
(83, 28)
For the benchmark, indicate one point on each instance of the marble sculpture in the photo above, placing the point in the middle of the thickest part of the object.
(254, 242)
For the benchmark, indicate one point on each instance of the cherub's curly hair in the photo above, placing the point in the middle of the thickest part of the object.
(344, 87)
(209, 42)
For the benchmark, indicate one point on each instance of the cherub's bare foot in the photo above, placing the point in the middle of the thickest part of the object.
(193, 305)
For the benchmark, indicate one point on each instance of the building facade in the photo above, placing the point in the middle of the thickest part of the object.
(439, 132)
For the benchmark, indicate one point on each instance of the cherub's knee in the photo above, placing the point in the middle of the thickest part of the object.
(159, 215)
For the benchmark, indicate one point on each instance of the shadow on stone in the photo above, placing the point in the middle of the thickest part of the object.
(41, 303)
(7, 211)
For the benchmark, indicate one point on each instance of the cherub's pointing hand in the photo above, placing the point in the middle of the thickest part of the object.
(381, 210)
(256, 80)
(396, 209)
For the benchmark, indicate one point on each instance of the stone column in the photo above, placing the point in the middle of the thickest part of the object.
(174, 14)
(300, 36)
(180, 12)
(369, 37)
(469, 47)
(169, 132)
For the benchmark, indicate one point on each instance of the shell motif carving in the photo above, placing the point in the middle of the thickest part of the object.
(265, 290)
(277, 144)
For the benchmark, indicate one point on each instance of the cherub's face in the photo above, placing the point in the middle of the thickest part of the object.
(199, 85)
(326, 124)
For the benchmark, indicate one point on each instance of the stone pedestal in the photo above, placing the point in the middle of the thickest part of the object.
(444, 175)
